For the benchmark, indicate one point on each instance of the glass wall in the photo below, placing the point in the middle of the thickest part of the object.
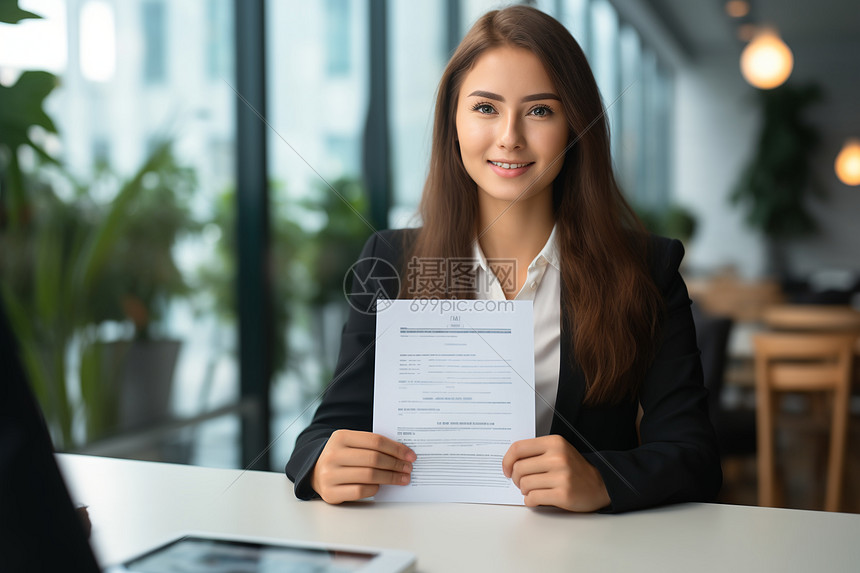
(471, 10)
(119, 304)
(630, 134)
(604, 61)
(318, 85)
(417, 55)
(574, 14)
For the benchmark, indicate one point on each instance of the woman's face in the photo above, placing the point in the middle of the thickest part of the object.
(510, 125)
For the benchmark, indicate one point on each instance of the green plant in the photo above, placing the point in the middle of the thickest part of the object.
(337, 245)
(774, 187)
(674, 221)
(217, 277)
(21, 109)
(10, 13)
(79, 266)
(306, 267)
(141, 277)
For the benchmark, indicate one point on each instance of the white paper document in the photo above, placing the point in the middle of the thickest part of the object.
(454, 381)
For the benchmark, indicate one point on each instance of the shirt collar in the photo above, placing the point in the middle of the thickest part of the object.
(548, 254)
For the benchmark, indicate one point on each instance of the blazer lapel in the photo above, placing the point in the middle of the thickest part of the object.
(571, 390)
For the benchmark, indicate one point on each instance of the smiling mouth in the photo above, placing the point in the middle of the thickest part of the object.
(510, 165)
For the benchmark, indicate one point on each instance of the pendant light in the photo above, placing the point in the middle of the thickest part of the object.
(848, 163)
(766, 62)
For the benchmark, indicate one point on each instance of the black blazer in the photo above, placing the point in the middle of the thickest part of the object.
(677, 459)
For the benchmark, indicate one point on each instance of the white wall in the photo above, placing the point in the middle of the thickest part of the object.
(715, 126)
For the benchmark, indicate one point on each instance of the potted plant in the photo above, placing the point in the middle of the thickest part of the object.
(775, 186)
(80, 263)
(137, 283)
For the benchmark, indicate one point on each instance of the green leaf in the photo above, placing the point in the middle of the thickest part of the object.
(22, 326)
(11, 14)
(49, 276)
(98, 249)
(21, 107)
(98, 388)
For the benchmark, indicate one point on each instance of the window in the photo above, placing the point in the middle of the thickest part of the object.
(338, 37)
(551, 7)
(604, 63)
(167, 276)
(344, 153)
(318, 78)
(154, 42)
(416, 62)
(575, 17)
(316, 111)
(219, 32)
(632, 114)
(471, 10)
(656, 130)
(100, 152)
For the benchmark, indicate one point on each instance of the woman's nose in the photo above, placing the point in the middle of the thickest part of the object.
(510, 136)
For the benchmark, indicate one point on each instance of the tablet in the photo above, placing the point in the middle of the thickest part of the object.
(215, 554)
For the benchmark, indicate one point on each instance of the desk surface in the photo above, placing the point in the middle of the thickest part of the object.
(136, 505)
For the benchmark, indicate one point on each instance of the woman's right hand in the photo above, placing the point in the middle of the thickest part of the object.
(354, 464)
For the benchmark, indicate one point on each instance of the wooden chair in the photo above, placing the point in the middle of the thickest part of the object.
(743, 301)
(811, 317)
(801, 362)
(818, 318)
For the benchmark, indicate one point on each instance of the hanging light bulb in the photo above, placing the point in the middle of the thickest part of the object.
(766, 62)
(737, 8)
(848, 163)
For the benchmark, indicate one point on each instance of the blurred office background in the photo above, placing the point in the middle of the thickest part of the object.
(127, 127)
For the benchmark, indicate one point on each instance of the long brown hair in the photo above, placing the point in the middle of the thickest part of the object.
(610, 303)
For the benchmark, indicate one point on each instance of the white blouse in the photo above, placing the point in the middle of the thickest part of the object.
(543, 286)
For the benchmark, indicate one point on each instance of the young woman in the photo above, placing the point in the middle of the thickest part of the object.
(521, 170)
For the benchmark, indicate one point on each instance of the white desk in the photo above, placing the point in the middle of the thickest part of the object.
(136, 505)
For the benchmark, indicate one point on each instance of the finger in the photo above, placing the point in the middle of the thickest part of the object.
(350, 492)
(522, 449)
(355, 457)
(529, 466)
(371, 476)
(538, 497)
(371, 441)
(534, 482)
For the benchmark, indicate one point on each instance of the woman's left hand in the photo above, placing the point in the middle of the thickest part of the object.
(550, 471)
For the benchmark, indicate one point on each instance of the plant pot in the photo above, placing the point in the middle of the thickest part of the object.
(135, 385)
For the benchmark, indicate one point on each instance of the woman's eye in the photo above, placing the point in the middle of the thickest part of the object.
(483, 108)
(541, 111)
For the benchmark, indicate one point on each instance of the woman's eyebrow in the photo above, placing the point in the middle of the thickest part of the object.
(497, 97)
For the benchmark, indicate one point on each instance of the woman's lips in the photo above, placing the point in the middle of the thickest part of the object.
(515, 172)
